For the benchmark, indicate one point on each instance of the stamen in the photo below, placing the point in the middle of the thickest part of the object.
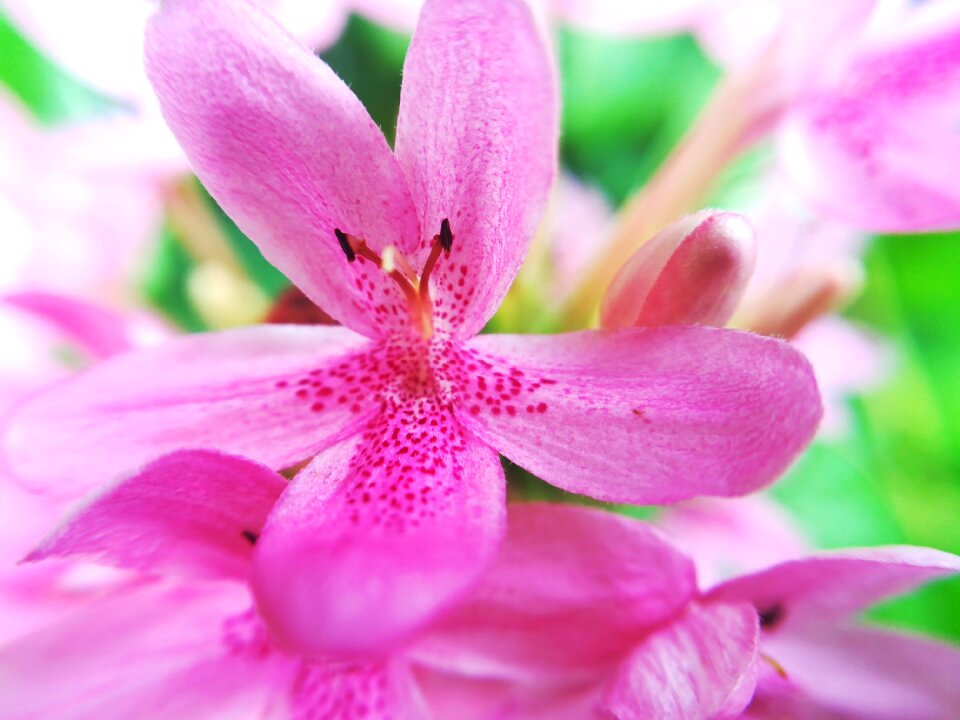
(345, 245)
(777, 667)
(771, 616)
(441, 244)
(446, 236)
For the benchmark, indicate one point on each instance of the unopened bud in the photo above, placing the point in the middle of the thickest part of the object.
(692, 272)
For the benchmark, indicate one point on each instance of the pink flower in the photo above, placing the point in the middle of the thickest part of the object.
(190, 645)
(589, 614)
(45, 337)
(397, 418)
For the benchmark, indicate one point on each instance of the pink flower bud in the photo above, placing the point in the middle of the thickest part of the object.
(691, 272)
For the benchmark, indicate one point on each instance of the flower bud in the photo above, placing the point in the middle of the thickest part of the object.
(691, 272)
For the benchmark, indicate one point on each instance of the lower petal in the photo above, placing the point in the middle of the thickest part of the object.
(569, 593)
(862, 674)
(702, 665)
(153, 653)
(196, 512)
(648, 415)
(378, 534)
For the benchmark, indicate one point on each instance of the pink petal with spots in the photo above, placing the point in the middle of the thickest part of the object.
(270, 393)
(570, 594)
(701, 665)
(477, 137)
(835, 584)
(861, 674)
(196, 512)
(880, 148)
(287, 150)
(692, 272)
(379, 533)
(99, 331)
(647, 415)
(153, 653)
(372, 691)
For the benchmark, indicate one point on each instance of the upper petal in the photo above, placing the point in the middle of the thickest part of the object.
(197, 512)
(287, 150)
(477, 136)
(569, 595)
(647, 415)
(271, 393)
(835, 584)
(879, 147)
(379, 533)
(701, 665)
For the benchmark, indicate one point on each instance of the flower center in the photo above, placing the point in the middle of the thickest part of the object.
(416, 289)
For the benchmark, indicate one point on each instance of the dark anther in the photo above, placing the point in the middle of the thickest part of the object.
(446, 236)
(771, 616)
(345, 245)
(250, 537)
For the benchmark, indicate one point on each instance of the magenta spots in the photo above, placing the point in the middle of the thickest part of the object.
(344, 692)
(245, 635)
(409, 397)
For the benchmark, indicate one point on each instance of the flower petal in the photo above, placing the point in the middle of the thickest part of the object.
(154, 653)
(372, 690)
(197, 512)
(701, 665)
(647, 415)
(865, 674)
(835, 584)
(256, 392)
(287, 150)
(477, 137)
(97, 330)
(378, 534)
(571, 590)
(879, 148)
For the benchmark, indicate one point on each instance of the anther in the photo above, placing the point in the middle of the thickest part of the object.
(771, 616)
(345, 245)
(446, 236)
(250, 536)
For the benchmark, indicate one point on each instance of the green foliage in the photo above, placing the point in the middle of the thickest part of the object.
(46, 90)
(165, 285)
(626, 103)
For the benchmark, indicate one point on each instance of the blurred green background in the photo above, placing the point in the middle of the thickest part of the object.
(895, 478)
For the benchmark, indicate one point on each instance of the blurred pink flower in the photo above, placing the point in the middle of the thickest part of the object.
(397, 422)
(191, 645)
(73, 221)
(863, 97)
(730, 537)
(589, 614)
(46, 338)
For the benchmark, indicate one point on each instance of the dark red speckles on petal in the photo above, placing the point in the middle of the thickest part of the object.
(344, 692)
(500, 391)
